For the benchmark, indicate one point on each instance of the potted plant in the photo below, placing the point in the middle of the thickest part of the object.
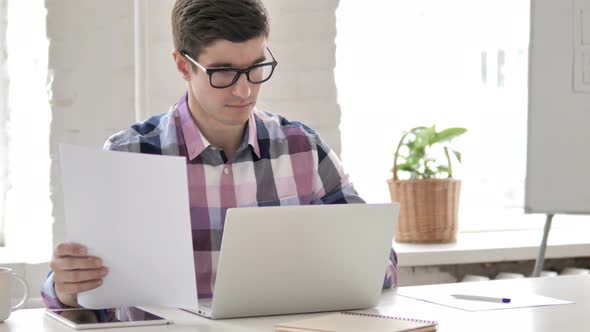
(429, 198)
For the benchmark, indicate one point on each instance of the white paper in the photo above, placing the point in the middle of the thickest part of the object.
(131, 210)
(518, 300)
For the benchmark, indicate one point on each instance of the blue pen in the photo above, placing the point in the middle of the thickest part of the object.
(481, 298)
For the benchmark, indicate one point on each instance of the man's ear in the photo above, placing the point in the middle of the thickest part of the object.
(182, 65)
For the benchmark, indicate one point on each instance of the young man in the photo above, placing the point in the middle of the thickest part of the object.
(236, 154)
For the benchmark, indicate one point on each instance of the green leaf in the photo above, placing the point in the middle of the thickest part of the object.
(430, 135)
(448, 134)
(406, 167)
(457, 155)
(417, 154)
(420, 141)
(417, 148)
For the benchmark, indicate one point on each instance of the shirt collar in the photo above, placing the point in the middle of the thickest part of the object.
(253, 133)
(196, 143)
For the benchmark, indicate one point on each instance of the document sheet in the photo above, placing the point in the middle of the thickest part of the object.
(132, 211)
(517, 299)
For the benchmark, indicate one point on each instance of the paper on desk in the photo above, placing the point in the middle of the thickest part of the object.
(518, 300)
(131, 210)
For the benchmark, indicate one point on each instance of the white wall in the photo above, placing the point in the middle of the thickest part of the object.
(303, 40)
(303, 37)
(3, 116)
(93, 60)
(158, 83)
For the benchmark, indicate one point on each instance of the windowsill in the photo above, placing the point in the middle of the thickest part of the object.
(565, 241)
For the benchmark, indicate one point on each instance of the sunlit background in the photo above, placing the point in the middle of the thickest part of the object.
(403, 64)
(28, 205)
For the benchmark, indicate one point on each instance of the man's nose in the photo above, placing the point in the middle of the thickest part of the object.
(242, 87)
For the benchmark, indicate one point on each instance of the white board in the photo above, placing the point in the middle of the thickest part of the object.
(558, 147)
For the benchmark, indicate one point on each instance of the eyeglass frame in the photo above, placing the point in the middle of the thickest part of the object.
(238, 71)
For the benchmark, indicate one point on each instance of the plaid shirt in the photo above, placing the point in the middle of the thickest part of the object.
(278, 162)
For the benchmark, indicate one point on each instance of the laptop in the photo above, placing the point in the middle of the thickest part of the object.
(299, 259)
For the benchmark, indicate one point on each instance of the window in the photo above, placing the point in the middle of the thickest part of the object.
(402, 64)
(25, 153)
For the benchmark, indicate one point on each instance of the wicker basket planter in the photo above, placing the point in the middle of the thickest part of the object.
(429, 206)
(429, 209)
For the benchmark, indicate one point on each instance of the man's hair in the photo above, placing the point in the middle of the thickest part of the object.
(198, 23)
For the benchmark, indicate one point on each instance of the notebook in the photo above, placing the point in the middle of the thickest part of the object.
(355, 322)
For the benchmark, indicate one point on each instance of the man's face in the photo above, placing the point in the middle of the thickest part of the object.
(231, 106)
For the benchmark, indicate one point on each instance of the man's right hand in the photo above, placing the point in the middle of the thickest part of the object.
(75, 272)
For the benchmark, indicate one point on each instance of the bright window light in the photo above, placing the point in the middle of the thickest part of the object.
(28, 228)
(403, 64)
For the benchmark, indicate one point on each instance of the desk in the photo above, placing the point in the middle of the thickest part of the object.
(570, 317)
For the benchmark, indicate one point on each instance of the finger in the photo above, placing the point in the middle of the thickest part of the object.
(80, 275)
(77, 287)
(70, 249)
(76, 263)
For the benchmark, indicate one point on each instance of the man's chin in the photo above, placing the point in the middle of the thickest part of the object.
(237, 118)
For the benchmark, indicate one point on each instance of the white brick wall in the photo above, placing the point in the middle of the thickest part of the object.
(93, 62)
(3, 116)
(161, 86)
(91, 59)
(303, 87)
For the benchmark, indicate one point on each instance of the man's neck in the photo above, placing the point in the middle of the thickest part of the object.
(226, 137)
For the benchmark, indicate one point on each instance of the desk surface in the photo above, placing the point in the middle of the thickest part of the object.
(569, 317)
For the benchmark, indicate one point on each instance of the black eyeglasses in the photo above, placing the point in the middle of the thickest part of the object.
(221, 78)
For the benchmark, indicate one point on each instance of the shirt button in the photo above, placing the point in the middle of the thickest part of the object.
(225, 171)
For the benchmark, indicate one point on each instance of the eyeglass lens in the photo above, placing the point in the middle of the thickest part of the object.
(225, 78)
